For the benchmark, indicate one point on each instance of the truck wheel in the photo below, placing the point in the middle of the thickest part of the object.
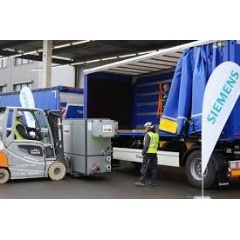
(57, 171)
(194, 171)
(4, 175)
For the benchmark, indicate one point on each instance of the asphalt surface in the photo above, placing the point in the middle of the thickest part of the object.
(119, 184)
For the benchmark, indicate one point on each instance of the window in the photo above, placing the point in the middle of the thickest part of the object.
(21, 61)
(3, 88)
(3, 63)
(19, 86)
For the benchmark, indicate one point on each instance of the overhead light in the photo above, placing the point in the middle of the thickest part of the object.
(79, 63)
(19, 55)
(62, 46)
(28, 53)
(56, 47)
(16, 55)
(76, 63)
(81, 42)
(110, 58)
(12, 56)
(9, 49)
(92, 61)
(53, 66)
(141, 53)
(128, 55)
(59, 65)
(60, 57)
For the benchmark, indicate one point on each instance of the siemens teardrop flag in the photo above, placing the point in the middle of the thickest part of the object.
(220, 96)
(27, 101)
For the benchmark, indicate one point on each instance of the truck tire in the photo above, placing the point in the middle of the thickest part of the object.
(193, 170)
(4, 175)
(57, 171)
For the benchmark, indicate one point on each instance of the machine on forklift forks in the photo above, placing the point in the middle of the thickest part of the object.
(21, 159)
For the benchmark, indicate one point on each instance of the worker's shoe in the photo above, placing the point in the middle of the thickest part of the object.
(153, 183)
(140, 184)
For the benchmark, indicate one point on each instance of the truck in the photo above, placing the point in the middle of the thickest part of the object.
(87, 144)
(131, 91)
(69, 100)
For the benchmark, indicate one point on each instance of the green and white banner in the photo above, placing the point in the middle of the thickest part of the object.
(220, 96)
(27, 101)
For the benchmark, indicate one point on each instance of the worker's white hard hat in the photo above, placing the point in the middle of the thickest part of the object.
(148, 125)
(19, 114)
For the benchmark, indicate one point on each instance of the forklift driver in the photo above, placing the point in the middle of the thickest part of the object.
(21, 132)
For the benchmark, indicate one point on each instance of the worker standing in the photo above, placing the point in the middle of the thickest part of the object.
(149, 153)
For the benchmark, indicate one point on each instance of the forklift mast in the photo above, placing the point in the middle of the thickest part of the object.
(55, 121)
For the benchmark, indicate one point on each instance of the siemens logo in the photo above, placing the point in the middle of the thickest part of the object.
(223, 96)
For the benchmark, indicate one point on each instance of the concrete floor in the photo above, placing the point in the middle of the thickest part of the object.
(119, 184)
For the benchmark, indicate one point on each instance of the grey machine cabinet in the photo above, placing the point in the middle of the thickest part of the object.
(87, 145)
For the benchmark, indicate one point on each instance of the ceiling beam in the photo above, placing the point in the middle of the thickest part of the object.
(39, 58)
(123, 44)
(34, 57)
(14, 43)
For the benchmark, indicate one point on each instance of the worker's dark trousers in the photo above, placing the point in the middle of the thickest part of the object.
(149, 161)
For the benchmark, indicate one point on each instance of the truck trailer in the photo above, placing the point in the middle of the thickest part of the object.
(69, 100)
(131, 92)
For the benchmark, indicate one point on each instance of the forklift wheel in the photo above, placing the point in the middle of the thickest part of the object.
(4, 175)
(57, 171)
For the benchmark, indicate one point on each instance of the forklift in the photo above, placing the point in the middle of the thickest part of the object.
(22, 159)
(74, 146)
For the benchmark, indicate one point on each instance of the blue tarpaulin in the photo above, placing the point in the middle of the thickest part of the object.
(184, 104)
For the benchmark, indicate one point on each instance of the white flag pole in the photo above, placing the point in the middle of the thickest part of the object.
(27, 101)
(220, 96)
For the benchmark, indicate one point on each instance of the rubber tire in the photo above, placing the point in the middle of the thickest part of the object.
(6, 175)
(194, 177)
(60, 174)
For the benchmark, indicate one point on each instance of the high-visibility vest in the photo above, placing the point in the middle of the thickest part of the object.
(154, 140)
(18, 136)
